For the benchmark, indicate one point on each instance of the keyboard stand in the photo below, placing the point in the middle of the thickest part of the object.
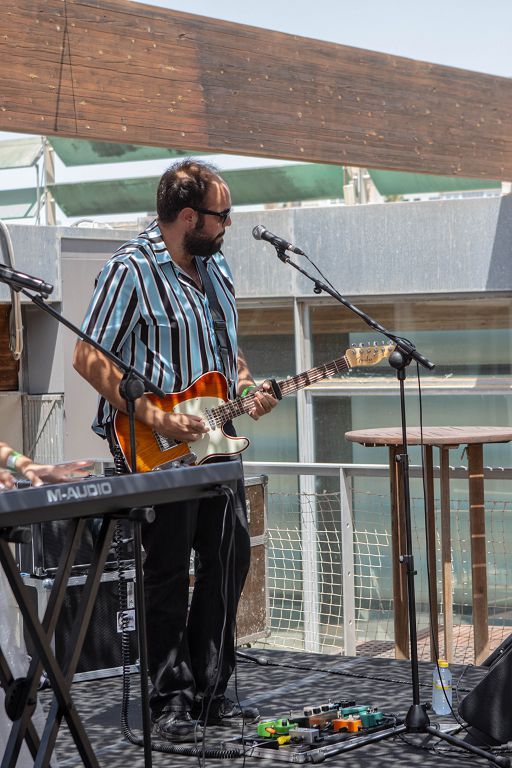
(41, 634)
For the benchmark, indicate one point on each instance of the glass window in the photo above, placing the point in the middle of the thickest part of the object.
(333, 416)
(469, 337)
(267, 339)
(273, 437)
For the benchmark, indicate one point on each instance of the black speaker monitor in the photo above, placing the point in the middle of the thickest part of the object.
(487, 707)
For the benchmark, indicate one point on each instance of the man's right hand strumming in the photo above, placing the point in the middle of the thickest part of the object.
(181, 426)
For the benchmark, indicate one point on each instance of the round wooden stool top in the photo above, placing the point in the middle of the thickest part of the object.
(431, 435)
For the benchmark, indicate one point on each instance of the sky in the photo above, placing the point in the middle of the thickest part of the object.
(471, 34)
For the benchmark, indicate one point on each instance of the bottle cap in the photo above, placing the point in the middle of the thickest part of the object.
(442, 663)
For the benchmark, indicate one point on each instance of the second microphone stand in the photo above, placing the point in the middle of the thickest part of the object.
(132, 387)
(416, 720)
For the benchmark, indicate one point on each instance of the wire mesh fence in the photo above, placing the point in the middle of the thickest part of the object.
(290, 513)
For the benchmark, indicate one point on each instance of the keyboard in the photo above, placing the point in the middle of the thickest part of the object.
(100, 495)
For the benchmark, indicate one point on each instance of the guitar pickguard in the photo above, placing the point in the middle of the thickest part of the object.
(214, 442)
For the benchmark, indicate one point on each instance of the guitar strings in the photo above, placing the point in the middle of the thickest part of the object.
(240, 405)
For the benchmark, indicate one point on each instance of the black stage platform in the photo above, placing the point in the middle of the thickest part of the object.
(304, 679)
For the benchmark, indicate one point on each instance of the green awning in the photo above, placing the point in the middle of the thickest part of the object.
(82, 152)
(19, 153)
(287, 183)
(74, 152)
(99, 198)
(391, 183)
(18, 203)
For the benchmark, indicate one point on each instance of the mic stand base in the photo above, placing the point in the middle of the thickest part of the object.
(416, 721)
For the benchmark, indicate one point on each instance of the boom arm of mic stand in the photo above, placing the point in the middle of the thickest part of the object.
(408, 350)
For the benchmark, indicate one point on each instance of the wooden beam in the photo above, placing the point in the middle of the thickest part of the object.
(114, 70)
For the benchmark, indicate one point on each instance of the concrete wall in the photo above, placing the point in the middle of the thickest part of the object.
(69, 258)
(454, 246)
(440, 247)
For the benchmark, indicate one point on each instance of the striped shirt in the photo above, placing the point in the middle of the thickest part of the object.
(150, 313)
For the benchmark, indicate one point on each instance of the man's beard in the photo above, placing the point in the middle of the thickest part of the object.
(197, 244)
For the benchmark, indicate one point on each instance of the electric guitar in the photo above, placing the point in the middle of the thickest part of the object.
(207, 397)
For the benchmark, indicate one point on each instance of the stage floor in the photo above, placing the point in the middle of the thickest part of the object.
(290, 682)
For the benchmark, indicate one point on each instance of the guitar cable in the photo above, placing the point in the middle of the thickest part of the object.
(201, 752)
(224, 580)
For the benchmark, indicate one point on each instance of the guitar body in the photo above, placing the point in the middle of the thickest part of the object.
(154, 451)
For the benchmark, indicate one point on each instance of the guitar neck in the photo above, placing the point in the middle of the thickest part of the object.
(305, 379)
(241, 405)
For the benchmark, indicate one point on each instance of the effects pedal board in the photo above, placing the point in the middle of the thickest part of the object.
(309, 734)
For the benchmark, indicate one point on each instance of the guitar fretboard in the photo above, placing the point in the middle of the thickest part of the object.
(241, 405)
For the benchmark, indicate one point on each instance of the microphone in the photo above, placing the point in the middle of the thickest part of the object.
(18, 280)
(261, 233)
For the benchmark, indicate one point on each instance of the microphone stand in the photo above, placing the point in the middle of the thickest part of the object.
(132, 386)
(416, 720)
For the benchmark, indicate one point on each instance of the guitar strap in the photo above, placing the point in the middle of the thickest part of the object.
(219, 324)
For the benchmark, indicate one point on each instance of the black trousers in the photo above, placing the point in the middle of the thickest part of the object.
(192, 652)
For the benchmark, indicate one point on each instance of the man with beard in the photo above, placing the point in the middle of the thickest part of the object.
(150, 307)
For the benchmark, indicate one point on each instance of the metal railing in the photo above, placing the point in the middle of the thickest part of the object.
(345, 473)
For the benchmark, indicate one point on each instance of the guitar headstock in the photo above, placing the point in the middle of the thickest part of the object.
(370, 355)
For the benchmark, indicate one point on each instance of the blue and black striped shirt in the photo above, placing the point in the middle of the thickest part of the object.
(150, 313)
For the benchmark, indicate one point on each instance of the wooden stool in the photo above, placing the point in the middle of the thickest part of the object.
(443, 438)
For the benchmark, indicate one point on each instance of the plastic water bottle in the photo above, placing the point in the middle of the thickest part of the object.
(442, 678)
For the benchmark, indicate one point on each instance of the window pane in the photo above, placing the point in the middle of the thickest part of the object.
(274, 436)
(462, 337)
(266, 337)
(333, 416)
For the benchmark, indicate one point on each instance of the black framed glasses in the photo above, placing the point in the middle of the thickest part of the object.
(222, 215)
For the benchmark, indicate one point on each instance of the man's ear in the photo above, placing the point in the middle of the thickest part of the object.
(188, 216)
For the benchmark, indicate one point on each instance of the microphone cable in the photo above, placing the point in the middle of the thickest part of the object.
(429, 533)
(15, 317)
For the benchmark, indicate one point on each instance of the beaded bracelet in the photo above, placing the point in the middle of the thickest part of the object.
(247, 390)
(12, 459)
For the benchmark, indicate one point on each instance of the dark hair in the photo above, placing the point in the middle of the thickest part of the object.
(184, 185)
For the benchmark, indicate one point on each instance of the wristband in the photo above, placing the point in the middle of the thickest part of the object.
(12, 459)
(247, 390)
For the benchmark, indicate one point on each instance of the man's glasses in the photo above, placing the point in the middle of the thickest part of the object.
(222, 215)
